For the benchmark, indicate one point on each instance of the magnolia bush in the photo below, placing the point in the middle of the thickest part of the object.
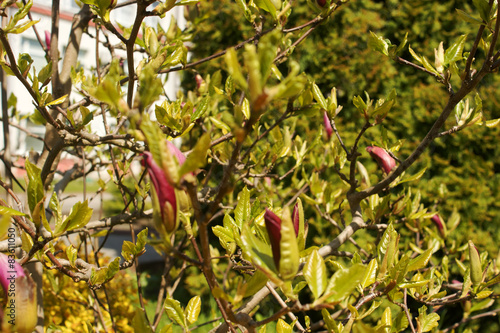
(270, 210)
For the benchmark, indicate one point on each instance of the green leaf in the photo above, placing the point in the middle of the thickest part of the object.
(174, 311)
(259, 253)
(400, 323)
(283, 327)
(414, 55)
(255, 283)
(140, 322)
(467, 18)
(454, 52)
(289, 260)
(198, 157)
(493, 281)
(401, 46)
(476, 271)
(10, 211)
(72, 254)
(414, 177)
(315, 273)
(58, 101)
(128, 249)
(45, 73)
(224, 234)
(330, 323)
(234, 68)
(370, 274)
(150, 88)
(318, 96)
(78, 217)
(104, 274)
(268, 6)
(268, 46)
(254, 74)
(384, 242)
(483, 8)
(242, 210)
(378, 43)
(245, 108)
(420, 261)
(490, 123)
(193, 309)
(429, 66)
(427, 321)
(201, 108)
(35, 185)
(342, 283)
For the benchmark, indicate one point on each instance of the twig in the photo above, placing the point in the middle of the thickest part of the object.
(284, 306)
(491, 313)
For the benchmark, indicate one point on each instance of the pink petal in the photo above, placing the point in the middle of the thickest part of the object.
(382, 157)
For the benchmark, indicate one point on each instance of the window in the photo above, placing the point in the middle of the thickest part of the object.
(33, 143)
(34, 49)
(69, 6)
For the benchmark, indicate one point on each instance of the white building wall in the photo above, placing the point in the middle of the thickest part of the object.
(27, 43)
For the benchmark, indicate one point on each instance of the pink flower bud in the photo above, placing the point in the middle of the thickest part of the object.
(439, 224)
(9, 267)
(164, 191)
(382, 157)
(20, 294)
(328, 125)
(296, 219)
(199, 81)
(273, 226)
(47, 39)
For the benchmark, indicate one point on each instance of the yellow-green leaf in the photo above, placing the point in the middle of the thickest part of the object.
(193, 309)
(58, 101)
(315, 273)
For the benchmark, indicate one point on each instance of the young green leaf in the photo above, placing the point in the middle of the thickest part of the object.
(454, 52)
(35, 185)
(289, 260)
(193, 309)
(174, 311)
(283, 327)
(378, 43)
(315, 273)
(242, 210)
(427, 321)
(78, 217)
(318, 96)
(198, 157)
(420, 261)
(370, 274)
(342, 283)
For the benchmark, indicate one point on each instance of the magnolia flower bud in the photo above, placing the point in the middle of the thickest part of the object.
(328, 125)
(273, 226)
(476, 272)
(47, 39)
(437, 221)
(382, 157)
(296, 219)
(20, 312)
(164, 192)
